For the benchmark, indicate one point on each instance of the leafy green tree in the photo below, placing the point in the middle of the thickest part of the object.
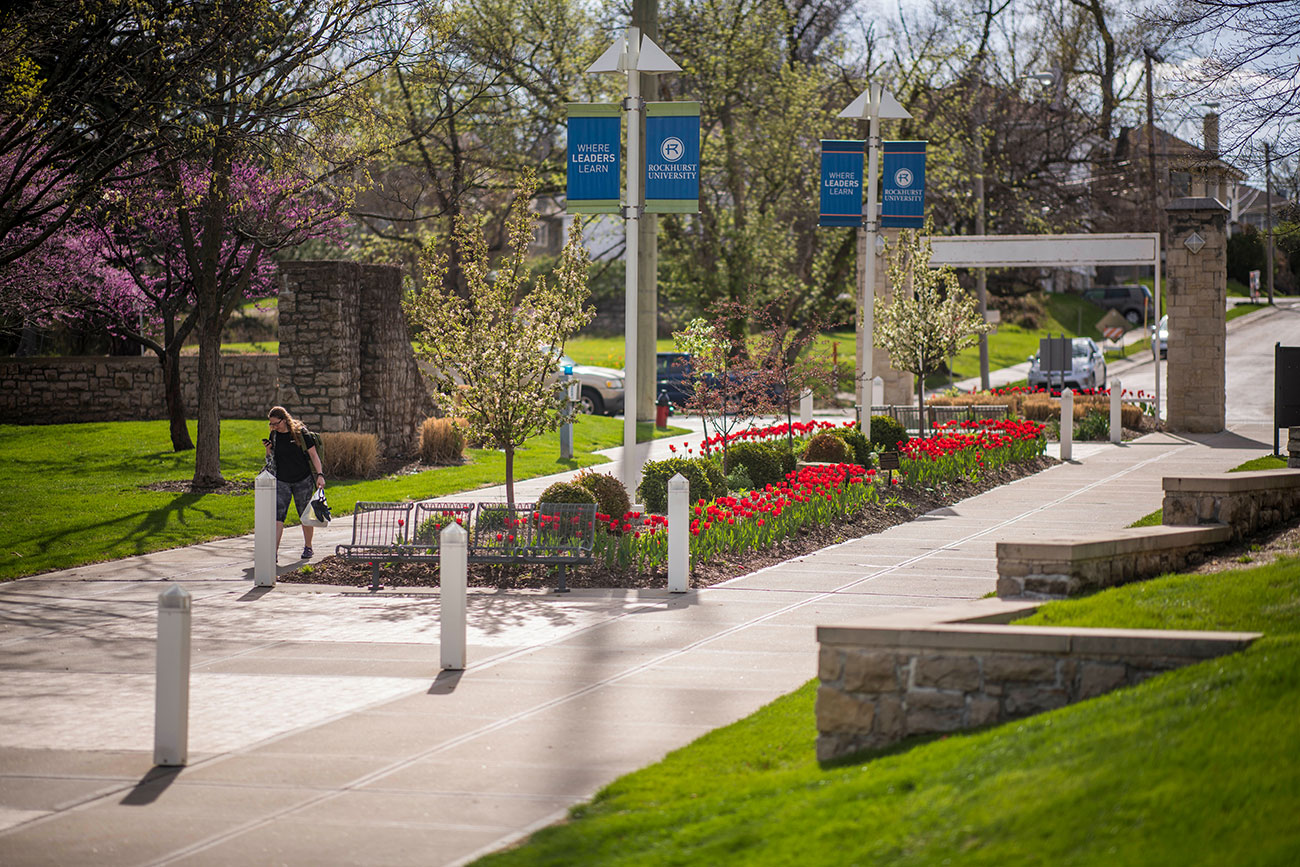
(494, 350)
(930, 316)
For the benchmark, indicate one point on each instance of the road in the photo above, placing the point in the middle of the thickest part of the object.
(1249, 363)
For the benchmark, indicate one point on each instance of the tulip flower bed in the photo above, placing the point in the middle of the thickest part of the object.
(815, 495)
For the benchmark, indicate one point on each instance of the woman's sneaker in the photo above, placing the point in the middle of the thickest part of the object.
(306, 553)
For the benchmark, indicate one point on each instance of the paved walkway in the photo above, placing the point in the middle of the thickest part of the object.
(322, 731)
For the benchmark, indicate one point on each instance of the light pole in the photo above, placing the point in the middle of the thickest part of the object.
(632, 55)
(871, 105)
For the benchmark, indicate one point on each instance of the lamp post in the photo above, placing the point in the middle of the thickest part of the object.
(871, 105)
(632, 55)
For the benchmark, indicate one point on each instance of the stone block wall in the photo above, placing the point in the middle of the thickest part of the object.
(1245, 502)
(125, 388)
(928, 673)
(346, 363)
(1196, 283)
(1058, 569)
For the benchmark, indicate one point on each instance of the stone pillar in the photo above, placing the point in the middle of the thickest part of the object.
(900, 387)
(394, 397)
(1196, 282)
(320, 348)
(346, 363)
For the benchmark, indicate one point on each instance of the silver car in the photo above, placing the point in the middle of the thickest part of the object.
(1087, 368)
(602, 387)
(1162, 336)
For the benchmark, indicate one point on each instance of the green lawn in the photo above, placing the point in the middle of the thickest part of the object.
(71, 493)
(1197, 766)
(607, 351)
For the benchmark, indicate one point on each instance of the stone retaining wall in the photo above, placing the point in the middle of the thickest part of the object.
(948, 670)
(1245, 502)
(125, 388)
(1054, 569)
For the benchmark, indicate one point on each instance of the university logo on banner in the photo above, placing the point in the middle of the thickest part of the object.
(841, 192)
(594, 158)
(902, 200)
(672, 157)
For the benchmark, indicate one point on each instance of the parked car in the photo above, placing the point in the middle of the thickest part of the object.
(1132, 301)
(601, 387)
(674, 378)
(1087, 368)
(1162, 336)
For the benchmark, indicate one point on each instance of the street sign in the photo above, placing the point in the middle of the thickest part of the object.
(841, 190)
(594, 149)
(902, 203)
(672, 157)
(1112, 325)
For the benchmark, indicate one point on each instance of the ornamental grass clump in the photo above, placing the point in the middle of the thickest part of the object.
(442, 441)
(349, 455)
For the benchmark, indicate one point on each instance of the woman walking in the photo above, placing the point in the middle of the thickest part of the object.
(295, 461)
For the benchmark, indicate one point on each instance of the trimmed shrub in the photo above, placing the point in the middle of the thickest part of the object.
(442, 441)
(349, 455)
(653, 491)
(886, 433)
(762, 463)
(567, 492)
(826, 447)
(611, 496)
(713, 474)
(859, 447)
(739, 480)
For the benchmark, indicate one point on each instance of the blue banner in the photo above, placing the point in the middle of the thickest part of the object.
(672, 157)
(902, 200)
(594, 158)
(841, 196)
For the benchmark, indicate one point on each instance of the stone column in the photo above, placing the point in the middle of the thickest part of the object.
(1196, 282)
(320, 349)
(394, 397)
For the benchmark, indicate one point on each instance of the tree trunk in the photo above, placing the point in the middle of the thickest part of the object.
(171, 373)
(510, 475)
(920, 406)
(207, 459)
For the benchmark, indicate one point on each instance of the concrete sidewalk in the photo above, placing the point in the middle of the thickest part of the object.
(323, 732)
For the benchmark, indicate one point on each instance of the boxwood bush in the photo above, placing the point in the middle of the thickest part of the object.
(611, 496)
(762, 462)
(653, 491)
(886, 433)
(828, 448)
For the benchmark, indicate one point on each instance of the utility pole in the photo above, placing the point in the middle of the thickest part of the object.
(1268, 216)
(639, 397)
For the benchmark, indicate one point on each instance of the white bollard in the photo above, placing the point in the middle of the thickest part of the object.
(805, 406)
(1067, 423)
(453, 565)
(679, 533)
(264, 530)
(1116, 417)
(171, 718)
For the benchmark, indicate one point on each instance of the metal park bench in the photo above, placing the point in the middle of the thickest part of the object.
(552, 534)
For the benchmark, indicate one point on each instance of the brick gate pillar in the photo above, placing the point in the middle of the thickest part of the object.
(1196, 285)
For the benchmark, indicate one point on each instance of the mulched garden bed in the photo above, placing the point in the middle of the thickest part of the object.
(899, 505)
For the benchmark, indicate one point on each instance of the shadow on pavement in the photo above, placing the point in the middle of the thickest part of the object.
(151, 786)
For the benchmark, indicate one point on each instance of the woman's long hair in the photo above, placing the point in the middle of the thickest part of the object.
(296, 428)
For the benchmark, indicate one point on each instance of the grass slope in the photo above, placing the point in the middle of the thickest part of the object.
(72, 494)
(1198, 766)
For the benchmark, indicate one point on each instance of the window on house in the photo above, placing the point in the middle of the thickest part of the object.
(1180, 183)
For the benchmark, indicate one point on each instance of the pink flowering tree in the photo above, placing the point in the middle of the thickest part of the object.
(131, 266)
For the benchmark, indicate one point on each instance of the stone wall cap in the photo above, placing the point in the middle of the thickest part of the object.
(1196, 203)
(1232, 483)
(1039, 639)
(1129, 540)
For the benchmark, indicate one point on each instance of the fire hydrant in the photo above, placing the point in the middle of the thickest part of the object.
(661, 411)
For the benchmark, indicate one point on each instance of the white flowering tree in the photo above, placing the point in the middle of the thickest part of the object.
(930, 316)
(494, 350)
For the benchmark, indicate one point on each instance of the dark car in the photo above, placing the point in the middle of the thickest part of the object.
(1132, 301)
(673, 377)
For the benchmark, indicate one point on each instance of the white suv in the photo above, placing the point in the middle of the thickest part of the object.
(1087, 368)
